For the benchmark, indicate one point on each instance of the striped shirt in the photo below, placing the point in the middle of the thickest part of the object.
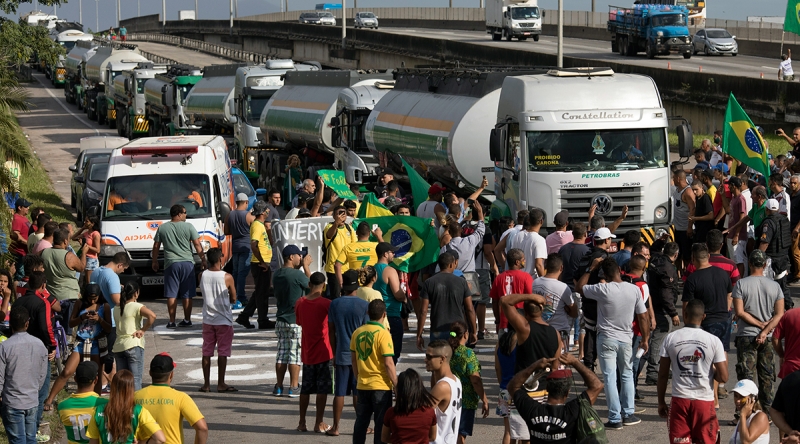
(719, 261)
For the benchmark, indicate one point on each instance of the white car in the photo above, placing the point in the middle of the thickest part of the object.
(327, 18)
(366, 20)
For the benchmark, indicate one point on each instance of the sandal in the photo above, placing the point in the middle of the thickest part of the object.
(325, 428)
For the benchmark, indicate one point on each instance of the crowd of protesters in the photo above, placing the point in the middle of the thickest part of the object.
(571, 299)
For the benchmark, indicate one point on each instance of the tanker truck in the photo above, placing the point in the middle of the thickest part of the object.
(106, 100)
(67, 39)
(254, 85)
(569, 139)
(209, 105)
(129, 99)
(298, 120)
(164, 99)
(97, 76)
(437, 119)
(75, 65)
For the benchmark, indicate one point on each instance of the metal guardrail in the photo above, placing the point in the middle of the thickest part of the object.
(125, 45)
(205, 47)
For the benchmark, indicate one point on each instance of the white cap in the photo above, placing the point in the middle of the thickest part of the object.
(746, 387)
(603, 233)
(773, 205)
(241, 197)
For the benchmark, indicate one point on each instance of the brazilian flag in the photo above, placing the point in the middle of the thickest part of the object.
(415, 239)
(419, 188)
(792, 21)
(741, 139)
(372, 207)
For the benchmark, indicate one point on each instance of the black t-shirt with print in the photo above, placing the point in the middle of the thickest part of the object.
(549, 423)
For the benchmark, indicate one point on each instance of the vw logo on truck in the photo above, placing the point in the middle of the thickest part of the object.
(604, 204)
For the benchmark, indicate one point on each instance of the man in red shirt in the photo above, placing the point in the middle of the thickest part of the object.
(20, 227)
(512, 281)
(714, 242)
(311, 313)
(788, 329)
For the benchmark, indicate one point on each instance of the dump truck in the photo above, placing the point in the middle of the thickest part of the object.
(513, 18)
(164, 99)
(298, 120)
(129, 99)
(75, 65)
(67, 40)
(568, 139)
(97, 76)
(652, 29)
(254, 86)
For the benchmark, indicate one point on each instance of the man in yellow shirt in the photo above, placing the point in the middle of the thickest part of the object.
(371, 356)
(168, 406)
(337, 236)
(261, 246)
(358, 254)
(76, 411)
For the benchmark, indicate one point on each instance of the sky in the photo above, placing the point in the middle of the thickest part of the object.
(218, 9)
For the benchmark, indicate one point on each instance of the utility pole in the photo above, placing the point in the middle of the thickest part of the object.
(231, 18)
(560, 57)
(196, 17)
(96, 15)
(236, 8)
(164, 14)
(344, 23)
(138, 8)
(592, 5)
(80, 11)
(119, 14)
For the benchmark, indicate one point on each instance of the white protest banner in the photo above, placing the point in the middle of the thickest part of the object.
(306, 232)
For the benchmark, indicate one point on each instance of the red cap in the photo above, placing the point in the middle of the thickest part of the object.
(435, 189)
(560, 374)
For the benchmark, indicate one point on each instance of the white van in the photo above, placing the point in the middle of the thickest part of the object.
(148, 176)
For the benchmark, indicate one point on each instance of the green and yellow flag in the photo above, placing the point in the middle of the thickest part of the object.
(372, 207)
(419, 187)
(415, 239)
(792, 21)
(741, 139)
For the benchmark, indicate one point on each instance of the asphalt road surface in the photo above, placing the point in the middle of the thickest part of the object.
(252, 414)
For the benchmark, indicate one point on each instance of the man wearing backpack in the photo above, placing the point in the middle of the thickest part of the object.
(338, 234)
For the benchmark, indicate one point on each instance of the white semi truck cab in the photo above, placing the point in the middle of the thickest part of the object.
(573, 138)
(513, 18)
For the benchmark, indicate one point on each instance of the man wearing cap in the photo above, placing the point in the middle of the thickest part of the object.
(76, 411)
(388, 285)
(758, 303)
(20, 226)
(450, 300)
(695, 357)
(290, 284)
(557, 420)
(618, 302)
(433, 208)
(774, 237)
(561, 236)
(169, 407)
(24, 370)
(178, 237)
(261, 248)
(345, 315)
(237, 225)
(302, 200)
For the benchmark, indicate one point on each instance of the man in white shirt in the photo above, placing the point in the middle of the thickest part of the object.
(532, 244)
(695, 358)
(786, 66)
(779, 193)
(502, 248)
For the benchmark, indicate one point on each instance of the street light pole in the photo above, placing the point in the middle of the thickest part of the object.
(560, 58)
(344, 22)
(80, 12)
(231, 17)
(196, 17)
(164, 14)
(119, 14)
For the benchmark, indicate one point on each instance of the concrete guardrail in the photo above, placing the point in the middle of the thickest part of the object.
(199, 45)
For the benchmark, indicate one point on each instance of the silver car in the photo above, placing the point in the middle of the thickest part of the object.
(327, 18)
(309, 18)
(714, 41)
(366, 20)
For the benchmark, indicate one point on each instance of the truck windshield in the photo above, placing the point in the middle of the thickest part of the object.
(596, 150)
(184, 90)
(68, 45)
(140, 85)
(253, 108)
(525, 12)
(151, 196)
(669, 20)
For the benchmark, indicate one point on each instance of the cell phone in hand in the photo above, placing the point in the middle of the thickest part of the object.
(374, 227)
(778, 132)
(305, 251)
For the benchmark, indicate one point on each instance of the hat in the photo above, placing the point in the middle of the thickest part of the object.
(291, 250)
(722, 167)
(603, 234)
(383, 248)
(304, 196)
(746, 387)
(349, 281)
(769, 156)
(560, 374)
(304, 212)
(92, 288)
(561, 219)
(435, 189)
(241, 197)
(773, 205)
(708, 173)
(757, 258)
(391, 201)
(22, 202)
(259, 208)
(86, 372)
(162, 363)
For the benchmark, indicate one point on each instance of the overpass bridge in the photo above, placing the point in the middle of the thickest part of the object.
(697, 88)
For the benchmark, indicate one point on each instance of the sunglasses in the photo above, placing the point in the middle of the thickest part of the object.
(429, 357)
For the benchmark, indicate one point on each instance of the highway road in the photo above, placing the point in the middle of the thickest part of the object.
(55, 127)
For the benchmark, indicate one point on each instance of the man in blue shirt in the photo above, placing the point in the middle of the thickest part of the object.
(107, 277)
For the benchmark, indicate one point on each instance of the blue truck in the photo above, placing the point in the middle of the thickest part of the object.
(652, 29)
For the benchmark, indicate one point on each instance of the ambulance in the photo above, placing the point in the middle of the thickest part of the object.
(145, 179)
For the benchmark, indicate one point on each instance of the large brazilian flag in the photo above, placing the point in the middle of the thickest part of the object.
(415, 239)
(792, 21)
(741, 139)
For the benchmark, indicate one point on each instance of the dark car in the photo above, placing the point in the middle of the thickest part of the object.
(310, 18)
(92, 184)
(77, 170)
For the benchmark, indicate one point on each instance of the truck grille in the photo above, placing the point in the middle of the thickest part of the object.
(143, 255)
(526, 25)
(578, 202)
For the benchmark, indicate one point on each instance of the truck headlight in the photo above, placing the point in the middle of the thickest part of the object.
(660, 33)
(111, 250)
(515, 25)
(139, 111)
(206, 245)
(661, 213)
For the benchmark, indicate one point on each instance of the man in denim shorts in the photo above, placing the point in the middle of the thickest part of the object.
(290, 284)
(178, 238)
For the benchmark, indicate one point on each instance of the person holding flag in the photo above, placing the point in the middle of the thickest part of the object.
(742, 140)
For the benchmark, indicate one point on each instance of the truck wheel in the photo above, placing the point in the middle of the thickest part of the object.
(630, 47)
(112, 123)
(688, 55)
(615, 45)
(621, 46)
(101, 118)
(91, 115)
(509, 36)
(536, 38)
(496, 37)
(650, 51)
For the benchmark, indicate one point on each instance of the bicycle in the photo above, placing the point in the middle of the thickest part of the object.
(63, 347)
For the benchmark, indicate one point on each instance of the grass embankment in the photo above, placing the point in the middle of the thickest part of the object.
(777, 144)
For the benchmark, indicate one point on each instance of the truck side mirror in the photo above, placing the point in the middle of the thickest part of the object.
(685, 140)
(73, 168)
(93, 211)
(497, 145)
(223, 210)
(544, 13)
(336, 132)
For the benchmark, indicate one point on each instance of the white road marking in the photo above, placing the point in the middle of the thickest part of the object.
(245, 356)
(80, 118)
(198, 374)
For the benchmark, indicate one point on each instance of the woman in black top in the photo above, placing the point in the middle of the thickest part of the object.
(703, 218)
